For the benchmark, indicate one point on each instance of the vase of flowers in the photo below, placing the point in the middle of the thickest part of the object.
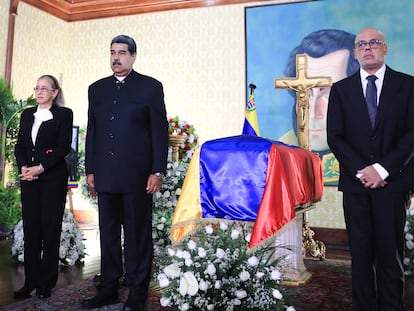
(212, 270)
(182, 127)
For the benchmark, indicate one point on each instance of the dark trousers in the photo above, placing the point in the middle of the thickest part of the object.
(43, 205)
(375, 223)
(131, 212)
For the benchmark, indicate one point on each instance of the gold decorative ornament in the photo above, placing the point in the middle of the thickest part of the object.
(175, 142)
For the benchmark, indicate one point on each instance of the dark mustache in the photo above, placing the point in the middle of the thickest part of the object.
(116, 62)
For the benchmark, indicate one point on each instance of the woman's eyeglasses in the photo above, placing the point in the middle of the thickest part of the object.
(43, 89)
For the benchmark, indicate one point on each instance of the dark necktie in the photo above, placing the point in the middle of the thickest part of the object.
(371, 97)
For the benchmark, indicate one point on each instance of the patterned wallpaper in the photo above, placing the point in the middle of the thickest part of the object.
(198, 55)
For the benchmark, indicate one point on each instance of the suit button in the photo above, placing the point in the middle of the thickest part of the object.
(111, 153)
(371, 156)
(111, 135)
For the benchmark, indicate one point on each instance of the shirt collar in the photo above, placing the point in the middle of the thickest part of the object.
(379, 73)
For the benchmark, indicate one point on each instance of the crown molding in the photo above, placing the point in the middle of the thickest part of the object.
(81, 10)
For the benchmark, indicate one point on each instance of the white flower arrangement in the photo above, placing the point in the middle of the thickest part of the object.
(72, 248)
(164, 202)
(211, 270)
(409, 243)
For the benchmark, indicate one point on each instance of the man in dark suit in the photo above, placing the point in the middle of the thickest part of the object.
(126, 156)
(374, 149)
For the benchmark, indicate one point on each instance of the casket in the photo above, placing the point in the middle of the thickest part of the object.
(247, 178)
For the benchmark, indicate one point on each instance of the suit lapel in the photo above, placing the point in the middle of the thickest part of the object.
(386, 96)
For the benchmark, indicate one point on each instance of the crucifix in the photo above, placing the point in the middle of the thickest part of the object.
(301, 84)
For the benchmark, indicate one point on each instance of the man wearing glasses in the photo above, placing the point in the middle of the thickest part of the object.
(370, 126)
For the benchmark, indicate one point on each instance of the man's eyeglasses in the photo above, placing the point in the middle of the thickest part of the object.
(373, 44)
(43, 89)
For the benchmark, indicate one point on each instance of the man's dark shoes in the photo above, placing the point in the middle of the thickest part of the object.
(23, 292)
(43, 293)
(134, 303)
(100, 300)
(140, 307)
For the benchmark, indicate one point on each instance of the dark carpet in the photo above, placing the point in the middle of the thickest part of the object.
(329, 288)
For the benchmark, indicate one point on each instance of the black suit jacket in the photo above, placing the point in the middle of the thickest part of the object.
(390, 143)
(127, 132)
(53, 142)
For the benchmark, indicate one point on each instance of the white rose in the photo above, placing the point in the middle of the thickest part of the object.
(277, 294)
(259, 274)
(275, 275)
(170, 251)
(253, 261)
(220, 253)
(244, 275)
(191, 244)
(202, 252)
(209, 229)
(211, 269)
(409, 244)
(164, 301)
(172, 271)
(223, 226)
(235, 234)
(203, 285)
(163, 280)
(241, 294)
(217, 285)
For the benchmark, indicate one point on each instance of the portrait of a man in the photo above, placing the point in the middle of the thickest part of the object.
(325, 32)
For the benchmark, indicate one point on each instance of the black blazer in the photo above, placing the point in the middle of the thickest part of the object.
(127, 132)
(53, 142)
(390, 143)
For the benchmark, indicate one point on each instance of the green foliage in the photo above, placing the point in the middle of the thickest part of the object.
(9, 109)
(10, 211)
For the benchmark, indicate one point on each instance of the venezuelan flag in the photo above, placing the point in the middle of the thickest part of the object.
(247, 178)
(251, 124)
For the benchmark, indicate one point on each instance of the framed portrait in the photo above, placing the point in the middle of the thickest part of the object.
(72, 157)
(325, 31)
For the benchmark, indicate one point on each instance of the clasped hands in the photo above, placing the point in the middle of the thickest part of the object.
(31, 173)
(370, 178)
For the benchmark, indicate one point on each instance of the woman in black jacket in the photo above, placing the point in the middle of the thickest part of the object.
(44, 140)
